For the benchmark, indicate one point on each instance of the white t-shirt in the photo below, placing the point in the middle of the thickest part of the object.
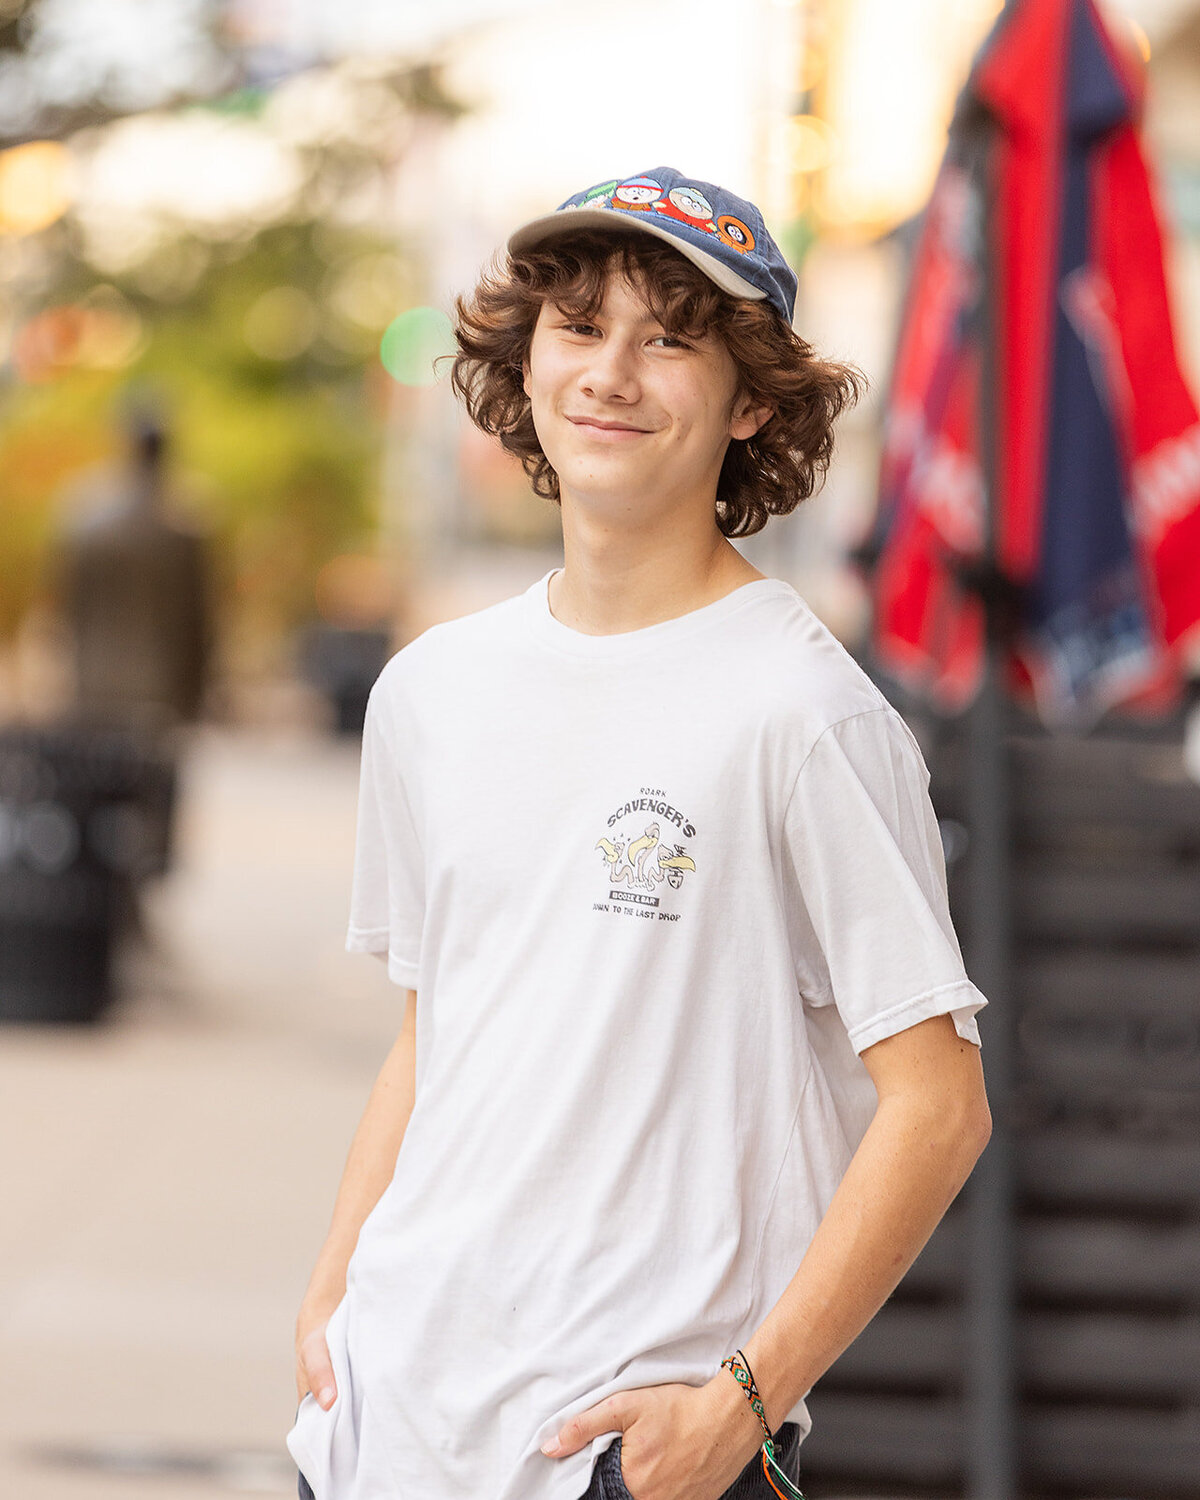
(656, 891)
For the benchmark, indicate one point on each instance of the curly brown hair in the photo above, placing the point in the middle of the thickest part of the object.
(766, 475)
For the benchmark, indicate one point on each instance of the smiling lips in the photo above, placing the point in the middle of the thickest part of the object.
(613, 429)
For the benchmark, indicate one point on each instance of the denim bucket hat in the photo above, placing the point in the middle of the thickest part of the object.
(722, 234)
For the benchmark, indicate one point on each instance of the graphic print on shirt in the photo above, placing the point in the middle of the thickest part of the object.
(641, 856)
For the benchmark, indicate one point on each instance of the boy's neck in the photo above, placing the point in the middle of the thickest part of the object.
(609, 594)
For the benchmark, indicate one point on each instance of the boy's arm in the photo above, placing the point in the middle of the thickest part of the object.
(929, 1129)
(370, 1164)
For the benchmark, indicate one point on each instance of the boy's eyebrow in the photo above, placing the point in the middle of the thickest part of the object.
(579, 312)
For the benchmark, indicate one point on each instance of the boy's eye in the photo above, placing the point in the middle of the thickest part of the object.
(586, 328)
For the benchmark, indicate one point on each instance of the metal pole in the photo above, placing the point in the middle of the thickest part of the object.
(992, 1462)
(990, 1374)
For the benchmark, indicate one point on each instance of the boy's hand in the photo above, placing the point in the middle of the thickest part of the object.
(314, 1369)
(678, 1442)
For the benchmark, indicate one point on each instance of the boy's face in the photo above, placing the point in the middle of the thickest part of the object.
(628, 415)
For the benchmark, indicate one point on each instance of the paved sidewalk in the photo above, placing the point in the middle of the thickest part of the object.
(168, 1176)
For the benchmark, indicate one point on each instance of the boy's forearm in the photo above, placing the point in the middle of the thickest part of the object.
(906, 1172)
(370, 1164)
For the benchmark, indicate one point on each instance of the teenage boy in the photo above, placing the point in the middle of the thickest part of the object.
(690, 1069)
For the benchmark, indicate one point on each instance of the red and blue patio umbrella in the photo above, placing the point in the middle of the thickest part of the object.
(1040, 261)
(1037, 537)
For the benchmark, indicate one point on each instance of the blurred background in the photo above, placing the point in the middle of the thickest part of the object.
(231, 485)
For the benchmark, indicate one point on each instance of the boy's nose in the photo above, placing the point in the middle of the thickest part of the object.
(612, 370)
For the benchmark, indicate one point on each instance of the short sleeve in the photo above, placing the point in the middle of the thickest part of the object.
(868, 909)
(387, 896)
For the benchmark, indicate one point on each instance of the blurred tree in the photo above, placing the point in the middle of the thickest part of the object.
(282, 431)
(261, 336)
(67, 64)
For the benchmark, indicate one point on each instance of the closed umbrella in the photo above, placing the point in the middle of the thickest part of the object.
(1037, 536)
(1043, 226)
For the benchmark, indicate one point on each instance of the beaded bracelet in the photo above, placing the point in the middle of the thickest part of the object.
(739, 1368)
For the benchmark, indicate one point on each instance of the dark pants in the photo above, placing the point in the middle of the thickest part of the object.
(751, 1483)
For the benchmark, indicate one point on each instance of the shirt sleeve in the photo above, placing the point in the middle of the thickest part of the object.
(867, 897)
(387, 895)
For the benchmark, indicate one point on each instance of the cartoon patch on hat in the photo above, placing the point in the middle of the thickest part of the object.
(637, 193)
(595, 197)
(735, 234)
(689, 206)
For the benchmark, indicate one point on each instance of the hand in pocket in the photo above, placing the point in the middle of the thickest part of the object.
(314, 1368)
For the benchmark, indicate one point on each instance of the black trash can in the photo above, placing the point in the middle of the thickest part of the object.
(343, 663)
(85, 815)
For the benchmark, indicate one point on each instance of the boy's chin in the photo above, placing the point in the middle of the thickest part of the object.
(609, 499)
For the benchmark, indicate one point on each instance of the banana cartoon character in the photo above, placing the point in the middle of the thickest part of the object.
(640, 851)
(669, 865)
(613, 852)
(673, 865)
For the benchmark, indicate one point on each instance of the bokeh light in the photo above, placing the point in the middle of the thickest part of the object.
(35, 187)
(413, 341)
(810, 143)
(281, 323)
(368, 290)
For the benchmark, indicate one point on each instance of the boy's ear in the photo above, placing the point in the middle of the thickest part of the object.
(748, 419)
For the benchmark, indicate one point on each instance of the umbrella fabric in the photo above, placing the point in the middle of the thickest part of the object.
(1097, 473)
